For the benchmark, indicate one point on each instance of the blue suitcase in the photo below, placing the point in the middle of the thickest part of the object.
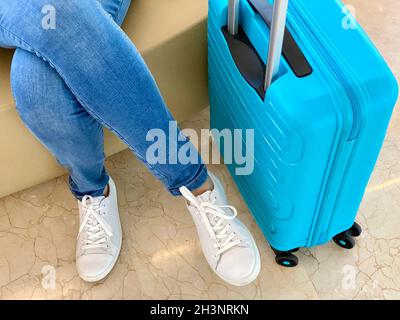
(319, 117)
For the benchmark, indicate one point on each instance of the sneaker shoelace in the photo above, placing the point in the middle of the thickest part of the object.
(94, 225)
(216, 221)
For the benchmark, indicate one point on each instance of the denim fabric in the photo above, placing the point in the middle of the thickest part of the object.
(70, 81)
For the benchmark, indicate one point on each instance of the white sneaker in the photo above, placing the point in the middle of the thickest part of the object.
(227, 244)
(100, 235)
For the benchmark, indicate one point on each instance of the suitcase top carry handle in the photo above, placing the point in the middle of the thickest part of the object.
(290, 50)
(276, 37)
(281, 41)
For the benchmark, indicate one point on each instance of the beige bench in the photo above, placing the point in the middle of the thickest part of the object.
(172, 37)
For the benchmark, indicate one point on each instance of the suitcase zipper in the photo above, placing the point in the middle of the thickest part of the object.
(352, 91)
(354, 101)
(336, 70)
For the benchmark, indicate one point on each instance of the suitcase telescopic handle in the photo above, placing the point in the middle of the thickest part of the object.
(277, 34)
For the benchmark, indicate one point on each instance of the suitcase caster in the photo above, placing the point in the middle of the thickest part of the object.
(346, 238)
(355, 230)
(286, 258)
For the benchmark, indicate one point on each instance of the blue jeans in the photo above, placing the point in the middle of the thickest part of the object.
(85, 74)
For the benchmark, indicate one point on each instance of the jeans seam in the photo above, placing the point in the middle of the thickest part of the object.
(18, 38)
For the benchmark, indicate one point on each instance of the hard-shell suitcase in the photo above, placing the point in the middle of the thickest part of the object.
(318, 127)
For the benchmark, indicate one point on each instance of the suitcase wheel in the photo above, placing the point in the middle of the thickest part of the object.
(346, 238)
(286, 258)
(355, 230)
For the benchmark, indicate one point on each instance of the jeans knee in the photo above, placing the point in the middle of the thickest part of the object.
(48, 107)
(71, 9)
(50, 24)
(38, 91)
(26, 90)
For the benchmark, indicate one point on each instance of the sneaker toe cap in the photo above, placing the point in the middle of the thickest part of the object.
(94, 267)
(239, 265)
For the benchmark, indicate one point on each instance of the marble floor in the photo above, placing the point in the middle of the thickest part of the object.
(161, 257)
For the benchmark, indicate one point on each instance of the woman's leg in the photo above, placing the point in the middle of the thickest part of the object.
(75, 138)
(104, 72)
(108, 77)
(56, 118)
